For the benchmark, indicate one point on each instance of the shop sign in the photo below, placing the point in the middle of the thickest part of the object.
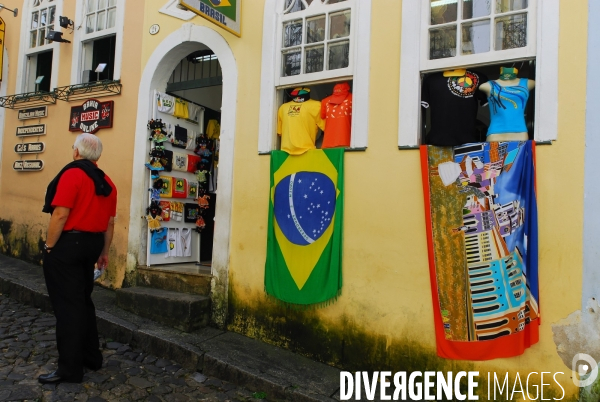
(36, 129)
(91, 116)
(28, 165)
(225, 13)
(30, 148)
(33, 113)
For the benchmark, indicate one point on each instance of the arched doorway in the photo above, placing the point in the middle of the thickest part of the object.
(159, 69)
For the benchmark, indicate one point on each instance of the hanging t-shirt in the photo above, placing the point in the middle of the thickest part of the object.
(185, 242)
(453, 104)
(165, 103)
(193, 111)
(180, 161)
(213, 129)
(173, 238)
(181, 109)
(298, 124)
(166, 190)
(180, 138)
(179, 187)
(165, 207)
(337, 112)
(158, 242)
(191, 212)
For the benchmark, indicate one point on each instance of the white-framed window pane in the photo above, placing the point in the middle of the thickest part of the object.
(52, 11)
(43, 17)
(503, 6)
(91, 6)
(35, 20)
(42, 37)
(314, 59)
(339, 25)
(112, 17)
(476, 37)
(291, 62)
(511, 31)
(36, 3)
(443, 11)
(476, 8)
(334, 1)
(101, 4)
(90, 23)
(112, 3)
(101, 21)
(292, 33)
(33, 38)
(442, 42)
(339, 55)
(315, 29)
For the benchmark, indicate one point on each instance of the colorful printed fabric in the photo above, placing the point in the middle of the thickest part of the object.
(306, 214)
(180, 161)
(179, 187)
(167, 189)
(481, 212)
(165, 207)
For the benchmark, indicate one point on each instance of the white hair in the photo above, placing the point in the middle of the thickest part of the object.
(89, 146)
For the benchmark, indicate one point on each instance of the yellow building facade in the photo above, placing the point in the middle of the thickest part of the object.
(383, 318)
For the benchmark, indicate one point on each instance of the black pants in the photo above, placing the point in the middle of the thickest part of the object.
(69, 273)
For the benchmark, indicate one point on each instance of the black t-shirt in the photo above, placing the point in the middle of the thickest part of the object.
(453, 105)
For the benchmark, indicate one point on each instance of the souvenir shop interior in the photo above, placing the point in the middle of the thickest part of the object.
(183, 163)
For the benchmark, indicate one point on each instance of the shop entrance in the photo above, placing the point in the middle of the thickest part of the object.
(185, 131)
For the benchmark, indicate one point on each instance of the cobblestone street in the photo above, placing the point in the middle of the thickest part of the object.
(28, 349)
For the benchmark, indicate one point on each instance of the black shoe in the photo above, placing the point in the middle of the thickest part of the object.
(53, 378)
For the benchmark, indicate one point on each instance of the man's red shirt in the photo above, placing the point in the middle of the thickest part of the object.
(89, 212)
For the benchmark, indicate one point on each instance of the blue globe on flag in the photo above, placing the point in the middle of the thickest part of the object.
(304, 204)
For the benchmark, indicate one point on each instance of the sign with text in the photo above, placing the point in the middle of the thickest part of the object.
(28, 165)
(30, 148)
(91, 116)
(36, 129)
(33, 113)
(225, 13)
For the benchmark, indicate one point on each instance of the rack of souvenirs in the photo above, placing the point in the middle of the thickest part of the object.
(172, 187)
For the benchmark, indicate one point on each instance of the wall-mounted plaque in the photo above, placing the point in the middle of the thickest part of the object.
(28, 165)
(36, 129)
(33, 113)
(30, 148)
(91, 116)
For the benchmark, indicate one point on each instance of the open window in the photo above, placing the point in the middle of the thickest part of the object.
(314, 44)
(36, 73)
(100, 41)
(480, 35)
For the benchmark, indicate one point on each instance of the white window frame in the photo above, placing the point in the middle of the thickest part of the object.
(28, 56)
(272, 82)
(415, 17)
(316, 8)
(82, 49)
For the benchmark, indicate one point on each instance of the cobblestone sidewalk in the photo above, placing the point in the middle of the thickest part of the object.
(28, 349)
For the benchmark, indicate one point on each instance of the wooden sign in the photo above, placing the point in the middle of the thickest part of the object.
(36, 129)
(33, 113)
(28, 165)
(30, 148)
(91, 116)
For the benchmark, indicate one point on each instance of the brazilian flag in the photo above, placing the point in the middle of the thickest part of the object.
(306, 213)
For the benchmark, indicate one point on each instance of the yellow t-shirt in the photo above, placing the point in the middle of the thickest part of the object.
(298, 124)
(181, 109)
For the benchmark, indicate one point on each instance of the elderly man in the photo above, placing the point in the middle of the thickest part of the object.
(83, 203)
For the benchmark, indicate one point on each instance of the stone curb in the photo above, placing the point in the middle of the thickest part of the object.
(164, 344)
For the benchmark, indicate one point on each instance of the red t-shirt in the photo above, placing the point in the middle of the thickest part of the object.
(338, 122)
(89, 212)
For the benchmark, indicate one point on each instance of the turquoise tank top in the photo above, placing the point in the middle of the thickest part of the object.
(507, 108)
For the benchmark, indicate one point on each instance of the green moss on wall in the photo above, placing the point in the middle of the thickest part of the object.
(346, 344)
(21, 241)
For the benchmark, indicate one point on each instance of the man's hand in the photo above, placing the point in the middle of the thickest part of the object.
(102, 261)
